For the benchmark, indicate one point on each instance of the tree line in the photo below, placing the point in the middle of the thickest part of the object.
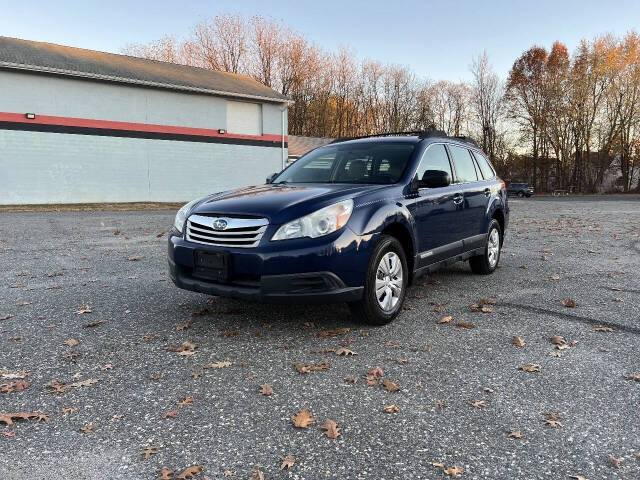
(557, 120)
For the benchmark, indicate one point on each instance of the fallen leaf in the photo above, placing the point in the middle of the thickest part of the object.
(190, 472)
(83, 309)
(488, 389)
(531, 368)
(266, 389)
(479, 403)
(515, 434)
(57, 387)
(601, 328)
(185, 401)
(16, 386)
(558, 340)
(453, 471)
(615, 462)
(217, 365)
(480, 308)
(88, 428)
(331, 428)
(577, 477)
(134, 258)
(391, 408)
(6, 317)
(333, 332)
(303, 418)
(437, 464)
(635, 377)
(183, 326)
(147, 452)
(465, 325)
(553, 423)
(554, 277)
(228, 473)
(85, 383)
(351, 380)
(94, 324)
(287, 462)
(166, 474)
(345, 352)
(569, 303)
(72, 342)
(258, 475)
(230, 333)
(8, 418)
(68, 410)
(303, 368)
(446, 319)
(170, 414)
(518, 341)
(486, 301)
(390, 386)
(376, 372)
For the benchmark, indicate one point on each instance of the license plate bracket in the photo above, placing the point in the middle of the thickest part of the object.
(212, 265)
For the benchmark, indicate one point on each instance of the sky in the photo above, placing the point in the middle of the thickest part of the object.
(437, 40)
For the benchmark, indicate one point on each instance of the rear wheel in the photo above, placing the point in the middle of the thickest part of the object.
(487, 262)
(385, 284)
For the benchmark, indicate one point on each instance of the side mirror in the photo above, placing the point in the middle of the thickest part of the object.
(271, 177)
(434, 179)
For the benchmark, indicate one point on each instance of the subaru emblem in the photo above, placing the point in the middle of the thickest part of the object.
(219, 224)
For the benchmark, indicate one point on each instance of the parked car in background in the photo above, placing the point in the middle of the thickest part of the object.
(354, 221)
(520, 189)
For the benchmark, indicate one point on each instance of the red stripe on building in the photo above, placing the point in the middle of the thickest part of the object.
(131, 126)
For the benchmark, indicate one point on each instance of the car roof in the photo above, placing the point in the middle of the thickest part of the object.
(410, 139)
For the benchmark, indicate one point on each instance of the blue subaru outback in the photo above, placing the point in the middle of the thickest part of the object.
(354, 221)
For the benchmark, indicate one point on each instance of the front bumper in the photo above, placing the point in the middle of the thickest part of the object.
(322, 270)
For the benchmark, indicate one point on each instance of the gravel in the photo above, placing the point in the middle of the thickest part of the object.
(585, 249)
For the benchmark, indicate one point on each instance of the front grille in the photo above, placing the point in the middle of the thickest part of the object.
(239, 232)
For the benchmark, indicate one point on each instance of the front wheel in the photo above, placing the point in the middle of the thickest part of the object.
(385, 284)
(487, 262)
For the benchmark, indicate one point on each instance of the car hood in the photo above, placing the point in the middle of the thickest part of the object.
(277, 202)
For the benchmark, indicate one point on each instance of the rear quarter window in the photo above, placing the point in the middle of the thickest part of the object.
(465, 169)
(485, 166)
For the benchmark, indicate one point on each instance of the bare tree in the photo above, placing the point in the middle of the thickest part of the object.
(487, 98)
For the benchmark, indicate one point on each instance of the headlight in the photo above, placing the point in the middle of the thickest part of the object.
(319, 223)
(181, 216)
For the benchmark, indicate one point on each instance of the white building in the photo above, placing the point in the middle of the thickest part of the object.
(85, 126)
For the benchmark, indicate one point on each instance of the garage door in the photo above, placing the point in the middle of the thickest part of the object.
(244, 117)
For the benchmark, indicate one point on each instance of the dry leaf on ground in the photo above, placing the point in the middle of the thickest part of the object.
(83, 309)
(170, 414)
(333, 332)
(615, 462)
(331, 428)
(185, 401)
(479, 403)
(518, 341)
(601, 328)
(515, 434)
(345, 352)
(303, 368)
(453, 471)
(217, 365)
(391, 408)
(569, 303)
(190, 472)
(303, 418)
(266, 389)
(258, 475)
(8, 418)
(147, 452)
(390, 386)
(166, 474)
(446, 319)
(533, 367)
(558, 340)
(89, 428)
(72, 342)
(465, 325)
(16, 386)
(287, 462)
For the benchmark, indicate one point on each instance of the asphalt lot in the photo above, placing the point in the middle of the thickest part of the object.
(587, 250)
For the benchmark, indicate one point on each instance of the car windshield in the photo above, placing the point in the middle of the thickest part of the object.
(378, 163)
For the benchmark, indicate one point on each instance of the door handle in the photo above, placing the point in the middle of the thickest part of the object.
(457, 198)
(487, 192)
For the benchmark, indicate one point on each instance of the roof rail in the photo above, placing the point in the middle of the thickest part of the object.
(466, 139)
(422, 134)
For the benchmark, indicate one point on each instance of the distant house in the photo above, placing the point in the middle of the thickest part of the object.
(80, 126)
(299, 145)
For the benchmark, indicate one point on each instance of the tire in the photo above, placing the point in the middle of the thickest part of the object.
(370, 308)
(486, 263)
(520, 194)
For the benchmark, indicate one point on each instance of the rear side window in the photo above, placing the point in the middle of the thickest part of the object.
(435, 158)
(485, 166)
(465, 170)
